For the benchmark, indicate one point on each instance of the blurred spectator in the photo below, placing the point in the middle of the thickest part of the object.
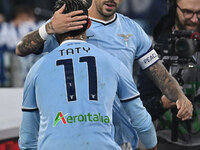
(2, 18)
(12, 68)
(183, 16)
(23, 13)
(43, 9)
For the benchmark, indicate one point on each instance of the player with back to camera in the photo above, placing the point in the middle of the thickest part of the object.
(69, 94)
(124, 39)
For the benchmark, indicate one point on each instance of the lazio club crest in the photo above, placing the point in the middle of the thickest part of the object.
(126, 38)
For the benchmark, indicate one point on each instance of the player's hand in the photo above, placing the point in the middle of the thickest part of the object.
(185, 108)
(166, 103)
(62, 23)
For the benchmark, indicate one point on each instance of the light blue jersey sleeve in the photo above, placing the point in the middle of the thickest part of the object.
(143, 41)
(146, 56)
(126, 86)
(29, 96)
(141, 121)
(140, 118)
(29, 99)
(28, 134)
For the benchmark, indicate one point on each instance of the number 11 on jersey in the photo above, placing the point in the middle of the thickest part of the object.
(69, 77)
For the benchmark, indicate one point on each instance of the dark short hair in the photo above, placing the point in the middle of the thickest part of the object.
(73, 5)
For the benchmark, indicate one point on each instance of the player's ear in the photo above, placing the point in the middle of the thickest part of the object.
(89, 23)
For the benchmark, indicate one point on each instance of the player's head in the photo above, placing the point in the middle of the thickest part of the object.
(72, 5)
(187, 15)
(104, 9)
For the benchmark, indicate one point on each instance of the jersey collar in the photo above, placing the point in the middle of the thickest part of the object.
(105, 22)
(73, 41)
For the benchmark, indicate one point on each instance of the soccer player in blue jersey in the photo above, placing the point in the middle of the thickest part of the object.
(69, 95)
(124, 39)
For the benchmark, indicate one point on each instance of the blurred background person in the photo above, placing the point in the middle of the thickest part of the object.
(183, 16)
(13, 69)
(2, 18)
(23, 13)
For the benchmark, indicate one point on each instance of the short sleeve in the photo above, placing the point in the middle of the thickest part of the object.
(29, 98)
(145, 54)
(126, 87)
(143, 42)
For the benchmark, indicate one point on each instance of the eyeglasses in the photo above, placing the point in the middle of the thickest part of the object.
(188, 14)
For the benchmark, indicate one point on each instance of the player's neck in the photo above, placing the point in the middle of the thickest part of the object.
(78, 37)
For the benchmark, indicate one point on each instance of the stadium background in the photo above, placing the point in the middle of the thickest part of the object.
(17, 17)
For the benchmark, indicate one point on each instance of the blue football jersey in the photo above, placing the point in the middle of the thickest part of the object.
(124, 39)
(74, 88)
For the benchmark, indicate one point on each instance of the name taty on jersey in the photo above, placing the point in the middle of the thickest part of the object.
(71, 51)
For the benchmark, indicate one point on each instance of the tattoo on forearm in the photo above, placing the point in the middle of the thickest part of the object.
(50, 28)
(167, 84)
(31, 43)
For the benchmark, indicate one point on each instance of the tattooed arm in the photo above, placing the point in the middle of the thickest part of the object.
(171, 89)
(29, 44)
(32, 41)
(60, 23)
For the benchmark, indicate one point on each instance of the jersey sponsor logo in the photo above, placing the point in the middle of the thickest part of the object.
(80, 118)
(60, 117)
(125, 37)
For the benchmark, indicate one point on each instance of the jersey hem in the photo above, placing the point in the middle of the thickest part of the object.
(29, 109)
(130, 99)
